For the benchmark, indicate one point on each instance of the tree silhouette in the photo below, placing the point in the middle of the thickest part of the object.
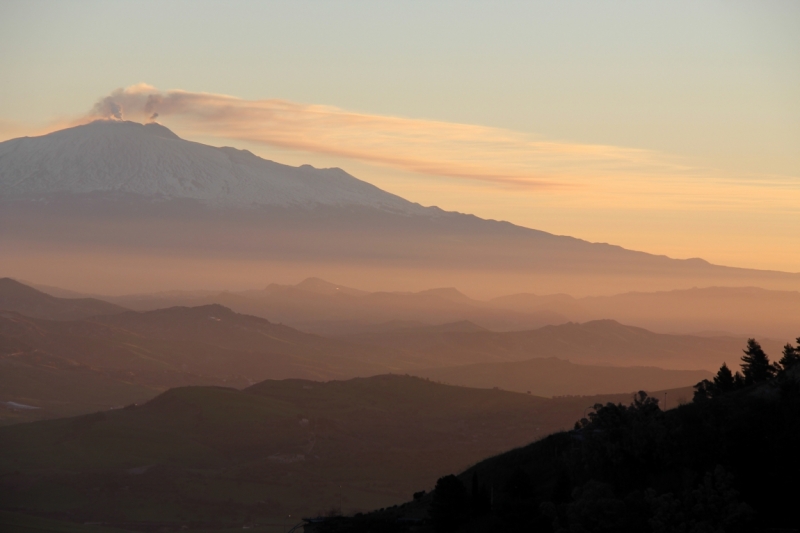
(714, 505)
(703, 390)
(756, 368)
(450, 504)
(755, 364)
(724, 380)
(480, 502)
(791, 356)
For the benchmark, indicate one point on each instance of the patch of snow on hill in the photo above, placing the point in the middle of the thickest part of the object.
(150, 160)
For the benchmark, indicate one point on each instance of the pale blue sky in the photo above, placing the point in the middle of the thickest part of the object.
(713, 84)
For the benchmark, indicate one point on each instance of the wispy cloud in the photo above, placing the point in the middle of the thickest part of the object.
(10, 129)
(423, 146)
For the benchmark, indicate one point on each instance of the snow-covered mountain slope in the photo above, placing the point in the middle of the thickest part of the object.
(150, 160)
(111, 193)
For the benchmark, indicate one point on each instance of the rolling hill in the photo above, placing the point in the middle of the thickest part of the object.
(70, 367)
(600, 342)
(747, 311)
(213, 457)
(332, 309)
(60, 368)
(556, 377)
(20, 298)
(64, 368)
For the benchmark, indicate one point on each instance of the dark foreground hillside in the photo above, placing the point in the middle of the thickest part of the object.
(726, 464)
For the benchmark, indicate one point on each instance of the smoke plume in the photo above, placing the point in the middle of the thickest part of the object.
(423, 146)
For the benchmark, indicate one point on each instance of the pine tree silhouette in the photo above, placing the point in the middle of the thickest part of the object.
(791, 356)
(755, 364)
(724, 380)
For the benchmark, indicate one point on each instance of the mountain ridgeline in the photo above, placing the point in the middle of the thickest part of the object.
(71, 366)
(334, 309)
(18, 297)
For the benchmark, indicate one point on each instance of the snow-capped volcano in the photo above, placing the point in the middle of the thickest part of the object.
(150, 160)
(112, 194)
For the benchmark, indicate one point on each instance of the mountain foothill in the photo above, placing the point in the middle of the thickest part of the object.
(67, 356)
(572, 386)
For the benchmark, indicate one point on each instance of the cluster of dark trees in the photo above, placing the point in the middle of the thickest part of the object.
(452, 505)
(725, 463)
(755, 368)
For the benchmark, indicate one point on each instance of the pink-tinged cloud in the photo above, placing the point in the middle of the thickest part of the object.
(423, 146)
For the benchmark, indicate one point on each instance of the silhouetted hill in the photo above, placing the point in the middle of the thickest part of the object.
(319, 286)
(218, 325)
(463, 325)
(318, 306)
(448, 293)
(748, 311)
(605, 342)
(14, 296)
(553, 377)
(215, 456)
(718, 465)
(564, 304)
(68, 367)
